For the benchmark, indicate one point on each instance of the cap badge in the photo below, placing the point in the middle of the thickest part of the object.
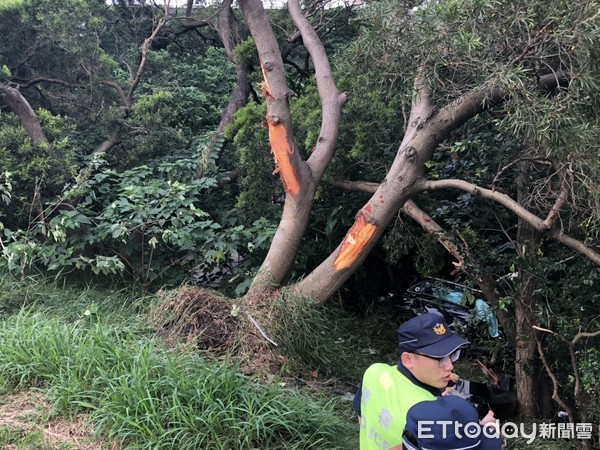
(439, 328)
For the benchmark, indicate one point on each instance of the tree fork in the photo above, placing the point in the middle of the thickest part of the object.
(278, 263)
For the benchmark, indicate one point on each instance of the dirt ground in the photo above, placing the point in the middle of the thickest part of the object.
(27, 417)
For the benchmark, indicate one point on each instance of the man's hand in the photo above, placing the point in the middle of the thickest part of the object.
(490, 421)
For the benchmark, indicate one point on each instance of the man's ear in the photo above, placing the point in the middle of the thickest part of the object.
(407, 360)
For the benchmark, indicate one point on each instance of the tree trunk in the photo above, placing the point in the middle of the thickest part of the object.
(229, 34)
(299, 178)
(526, 366)
(526, 361)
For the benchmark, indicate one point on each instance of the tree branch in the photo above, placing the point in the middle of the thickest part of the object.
(120, 92)
(422, 95)
(23, 110)
(539, 224)
(331, 99)
(472, 103)
(228, 32)
(38, 80)
(565, 185)
(144, 54)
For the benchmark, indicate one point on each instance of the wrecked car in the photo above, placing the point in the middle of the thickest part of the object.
(460, 305)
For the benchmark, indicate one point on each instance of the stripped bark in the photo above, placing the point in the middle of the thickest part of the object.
(411, 209)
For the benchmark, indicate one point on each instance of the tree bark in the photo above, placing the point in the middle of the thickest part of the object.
(23, 110)
(427, 127)
(526, 364)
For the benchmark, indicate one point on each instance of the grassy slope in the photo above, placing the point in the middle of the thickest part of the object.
(91, 354)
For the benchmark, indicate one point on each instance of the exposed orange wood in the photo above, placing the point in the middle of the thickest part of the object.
(279, 143)
(264, 86)
(357, 237)
(281, 154)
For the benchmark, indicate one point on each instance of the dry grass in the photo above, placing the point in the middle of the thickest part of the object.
(220, 326)
(28, 412)
(195, 316)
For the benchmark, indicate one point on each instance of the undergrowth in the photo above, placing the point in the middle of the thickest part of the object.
(142, 395)
(331, 342)
(146, 397)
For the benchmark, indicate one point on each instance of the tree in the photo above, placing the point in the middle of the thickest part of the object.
(428, 125)
(522, 63)
(98, 116)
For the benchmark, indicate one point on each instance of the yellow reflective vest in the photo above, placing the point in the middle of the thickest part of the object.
(386, 397)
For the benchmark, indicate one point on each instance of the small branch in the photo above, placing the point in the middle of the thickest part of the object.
(573, 356)
(563, 172)
(260, 330)
(514, 163)
(555, 384)
(38, 80)
(144, 54)
(532, 43)
(565, 185)
(582, 335)
(432, 227)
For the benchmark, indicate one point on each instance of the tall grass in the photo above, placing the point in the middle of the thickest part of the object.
(145, 397)
(68, 300)
(331, 341)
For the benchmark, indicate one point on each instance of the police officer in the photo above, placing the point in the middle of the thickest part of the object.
(448, 423)
(428, 349)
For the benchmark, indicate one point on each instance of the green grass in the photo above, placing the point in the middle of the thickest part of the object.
(70, 301)
(142, 395)
(332, 342)
(92, 353)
